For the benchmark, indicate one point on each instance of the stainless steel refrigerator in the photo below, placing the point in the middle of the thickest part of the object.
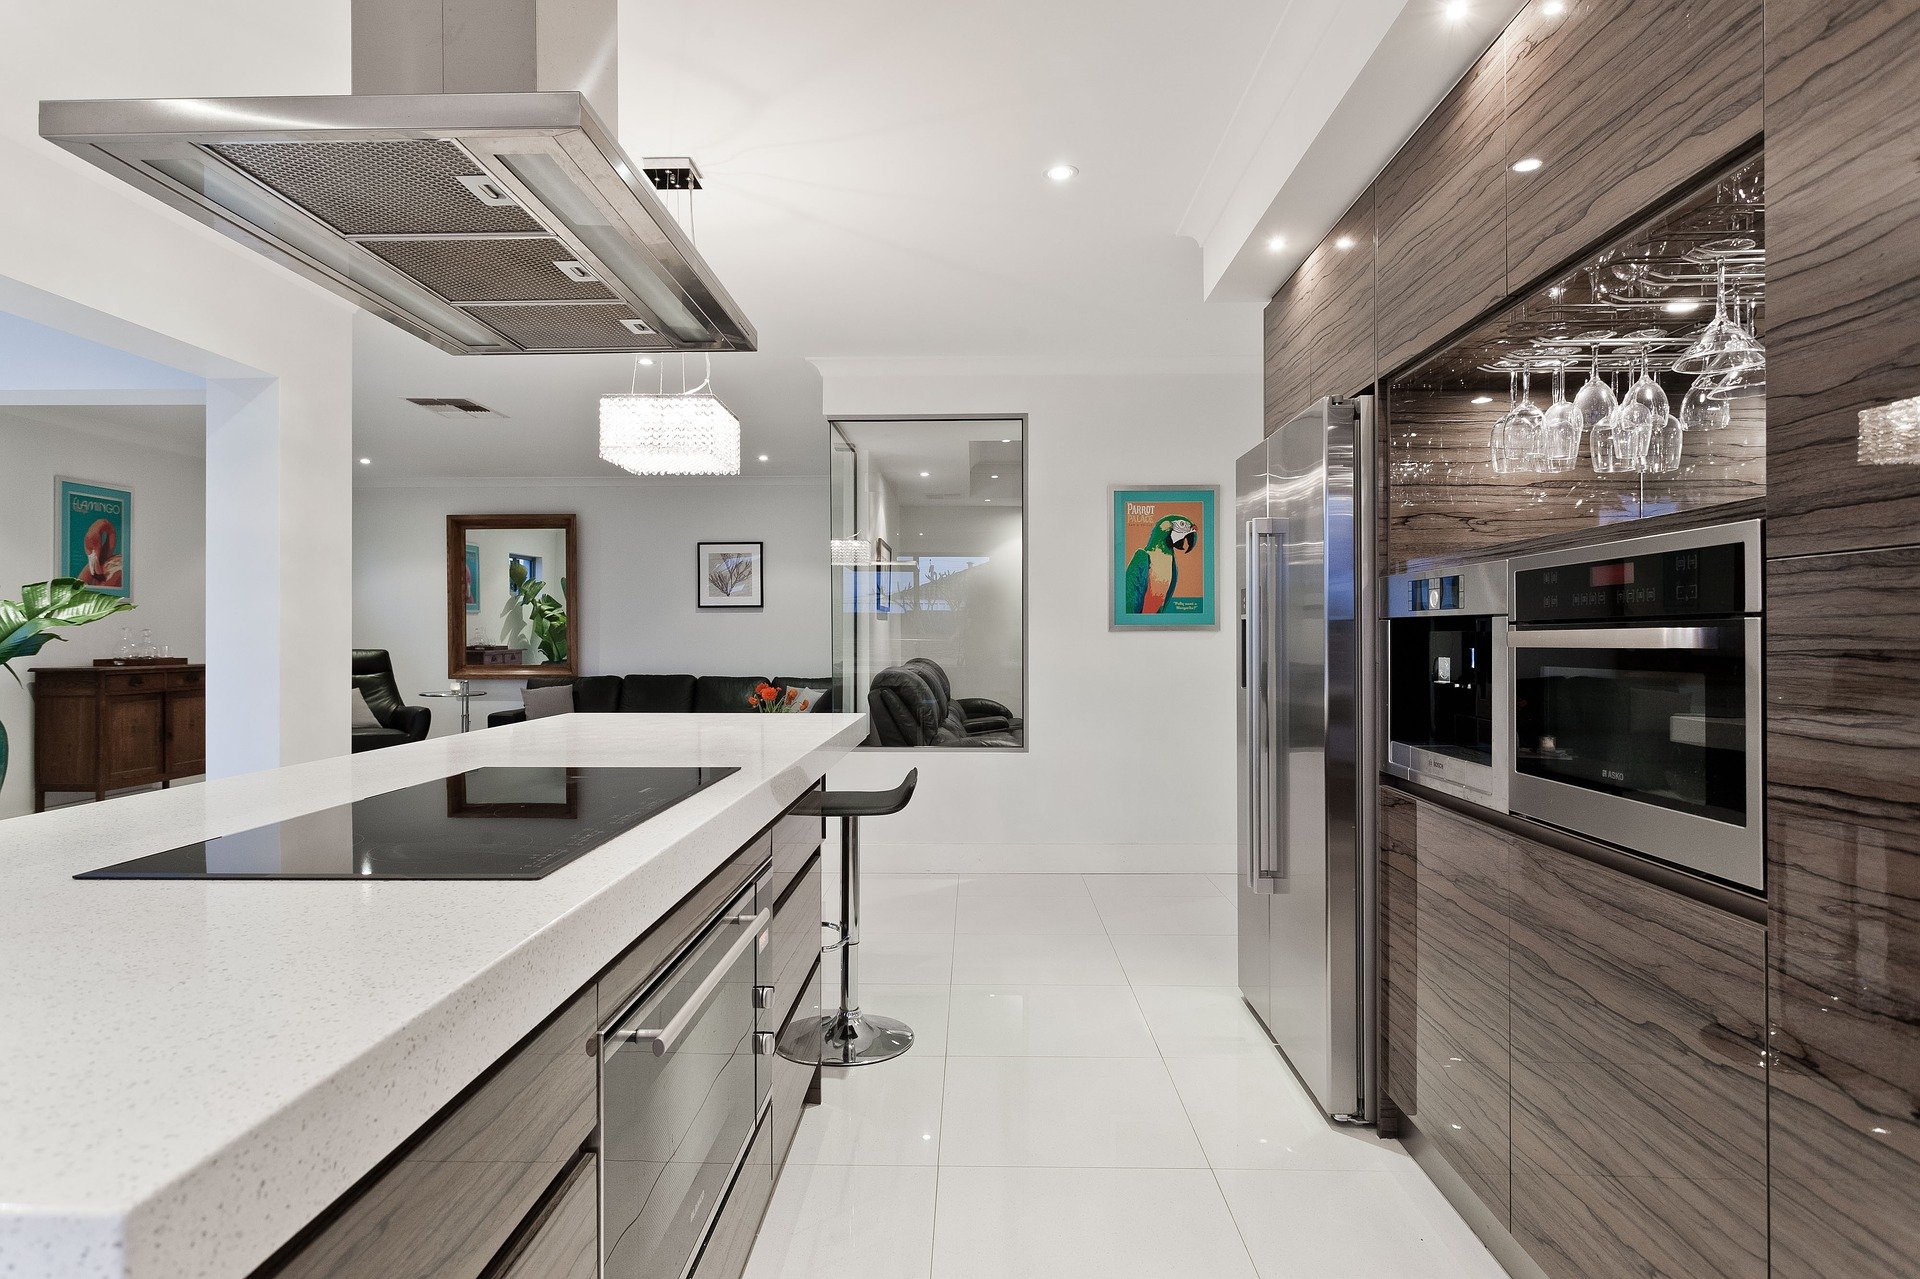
(1307, 752)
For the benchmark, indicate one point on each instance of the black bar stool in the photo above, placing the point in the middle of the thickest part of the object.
(850, 1037)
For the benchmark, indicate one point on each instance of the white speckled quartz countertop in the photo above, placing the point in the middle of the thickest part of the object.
(192, 1070)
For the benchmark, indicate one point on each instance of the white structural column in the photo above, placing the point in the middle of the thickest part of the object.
(279, 569)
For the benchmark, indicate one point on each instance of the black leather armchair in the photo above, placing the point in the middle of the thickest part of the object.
(981, 715)
(906, 708)
(399, 723)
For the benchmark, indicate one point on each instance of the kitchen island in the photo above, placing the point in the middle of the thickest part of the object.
(192, 1071)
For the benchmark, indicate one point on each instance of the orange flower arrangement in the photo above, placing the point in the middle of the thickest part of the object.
(770, 700)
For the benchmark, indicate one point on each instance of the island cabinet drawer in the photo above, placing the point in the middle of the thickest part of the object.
(793, 1082)
(731, 1243)
(793, 942)
(796, 838)
(562, 1240)
(450, 1199)
(624, 978)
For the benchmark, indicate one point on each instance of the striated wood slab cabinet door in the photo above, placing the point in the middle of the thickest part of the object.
(1843, 274)
(1843, 866)
(1639, 1083)
(1440, 205)
(1445, 899)
(1621, 102)
(1319, 328)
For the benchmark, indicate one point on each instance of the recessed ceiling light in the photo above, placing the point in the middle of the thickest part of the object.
(1554, 8)
(647, 360)
(993, 477)
(1456, 10)
(1483, 399)
(925, 474)
(763, 457)
(988, 499)
(1061, 172)
(1006, 441)
(1682, 306)
(1344, 243)
(1276, 243)
(1529, 164)
(366, 461)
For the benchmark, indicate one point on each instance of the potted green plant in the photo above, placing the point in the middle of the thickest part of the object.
(546, 616)
(27, 624)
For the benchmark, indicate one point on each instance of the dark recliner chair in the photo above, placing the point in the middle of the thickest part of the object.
(908, 709)
(981, 715)
(399, 723)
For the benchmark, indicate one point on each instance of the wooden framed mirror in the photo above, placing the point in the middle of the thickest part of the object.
(513, 596)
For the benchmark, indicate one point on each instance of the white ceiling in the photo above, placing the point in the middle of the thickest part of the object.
(875, 187)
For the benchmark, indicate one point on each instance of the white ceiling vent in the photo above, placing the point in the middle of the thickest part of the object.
(453, 407)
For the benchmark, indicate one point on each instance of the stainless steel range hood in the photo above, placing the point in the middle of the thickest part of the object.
(486, 223)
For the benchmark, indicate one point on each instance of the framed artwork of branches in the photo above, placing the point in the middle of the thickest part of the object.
(729, 575)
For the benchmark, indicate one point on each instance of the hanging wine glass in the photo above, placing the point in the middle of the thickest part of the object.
(1523, 426)
(1503, 461)
(1608, 457)
(1723, 345)
(1561, 428)
(1662, 455)
(1644, 409)
(1700, 411)
(1595, 399)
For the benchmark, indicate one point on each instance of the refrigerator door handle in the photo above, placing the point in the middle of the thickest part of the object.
(1266, 703)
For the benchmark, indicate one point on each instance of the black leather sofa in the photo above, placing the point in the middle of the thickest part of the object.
(910, 705)
(665, 694)
(399, 723)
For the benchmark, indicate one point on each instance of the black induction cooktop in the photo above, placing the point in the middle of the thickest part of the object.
(490, 823)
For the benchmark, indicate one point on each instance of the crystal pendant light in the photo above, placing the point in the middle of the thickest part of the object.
(686, 432)
(851, 552)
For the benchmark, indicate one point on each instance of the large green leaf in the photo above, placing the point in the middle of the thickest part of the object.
(86, 606)
(26, 626)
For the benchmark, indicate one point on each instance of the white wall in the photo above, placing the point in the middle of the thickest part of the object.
(1130, 734)
(169, 520)
(637, 577)
(86, 253)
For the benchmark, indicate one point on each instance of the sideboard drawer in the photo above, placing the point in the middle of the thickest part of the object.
(186, 679)
(122, 682)
(456, 1196)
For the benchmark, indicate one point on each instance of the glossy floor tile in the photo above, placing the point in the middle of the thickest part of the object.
(1065, 1112)
(1094, 1104)
(1048, 1021)
(1084, 1223)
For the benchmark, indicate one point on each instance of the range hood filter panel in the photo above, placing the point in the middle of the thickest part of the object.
(581, 327)
(491, 270)
(407, 186)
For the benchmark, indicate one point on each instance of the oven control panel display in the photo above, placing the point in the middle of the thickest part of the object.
(1707, 581)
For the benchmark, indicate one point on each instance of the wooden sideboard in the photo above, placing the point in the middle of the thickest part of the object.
(103, 728)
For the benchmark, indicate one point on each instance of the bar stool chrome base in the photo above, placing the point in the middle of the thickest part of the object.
(846, 1039)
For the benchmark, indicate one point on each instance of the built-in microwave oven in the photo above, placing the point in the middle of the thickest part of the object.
(1636, 697)
(1446, 655)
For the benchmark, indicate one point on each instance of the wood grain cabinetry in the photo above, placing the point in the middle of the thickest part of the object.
(1319, 328)
(1622, 102)
(458, 1192)
(1442, 241)
(562, 1240)
(1583, 1048)
(104, 728)
(1843, 868)
(1446, 956)
(1843, 272)
(1639, 1089)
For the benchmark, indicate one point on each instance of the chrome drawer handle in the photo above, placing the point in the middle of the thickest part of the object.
(763, 1045)
(663, 1039)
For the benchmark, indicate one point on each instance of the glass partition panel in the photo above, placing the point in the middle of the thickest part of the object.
(929, 580)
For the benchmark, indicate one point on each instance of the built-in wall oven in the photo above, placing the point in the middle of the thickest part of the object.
(1446, 660)
(1636, 697)
(685, 1080)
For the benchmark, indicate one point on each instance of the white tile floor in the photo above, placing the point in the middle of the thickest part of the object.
(1087, 1097)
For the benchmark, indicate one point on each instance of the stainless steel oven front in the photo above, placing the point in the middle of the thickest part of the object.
(1636, 697)
(1446, 667)
(683, 1090)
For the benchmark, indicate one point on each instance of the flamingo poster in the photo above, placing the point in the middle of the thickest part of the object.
(96, 528)
(1161, 575)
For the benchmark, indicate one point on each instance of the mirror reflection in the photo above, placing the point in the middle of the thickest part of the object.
(511, 592)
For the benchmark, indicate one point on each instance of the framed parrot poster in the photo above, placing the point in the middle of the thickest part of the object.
(95, 536)
(1163, 572)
